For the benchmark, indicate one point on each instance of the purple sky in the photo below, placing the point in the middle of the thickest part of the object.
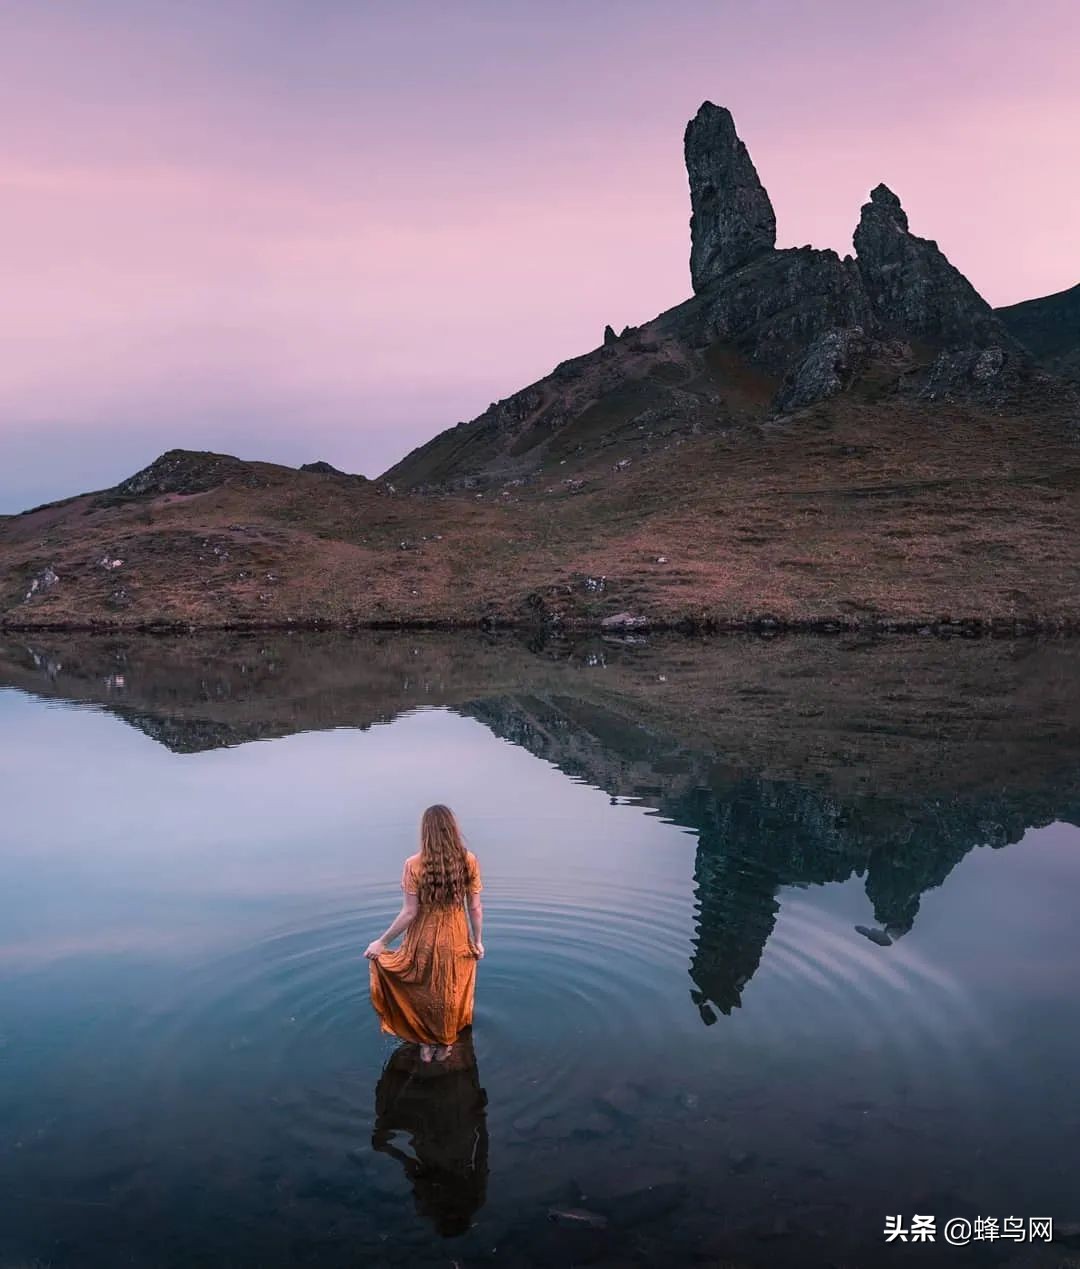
(331, 228)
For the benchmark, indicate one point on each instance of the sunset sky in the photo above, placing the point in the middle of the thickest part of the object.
(331, 228)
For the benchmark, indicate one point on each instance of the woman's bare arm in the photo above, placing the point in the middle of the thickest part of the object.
(409, 906)
(476, 918)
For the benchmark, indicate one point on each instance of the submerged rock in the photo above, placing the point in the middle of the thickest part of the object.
(577, 1217)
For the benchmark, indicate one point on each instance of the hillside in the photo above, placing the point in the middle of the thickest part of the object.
(767, 331)
(808, 440)
(849, 511)
(1049, 328)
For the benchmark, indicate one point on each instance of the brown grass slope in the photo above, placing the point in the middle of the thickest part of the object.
(858, 510)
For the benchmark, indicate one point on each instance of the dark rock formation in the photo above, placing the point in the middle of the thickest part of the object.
(321, 468)
(179, 471)
(831, 363)
(774, 310)
(732, 220)
(973, 372)
(1049, 328)
(767, 330)
(914, 292)
(185, 471)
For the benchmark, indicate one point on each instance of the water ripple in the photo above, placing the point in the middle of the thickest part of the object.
(577, 965)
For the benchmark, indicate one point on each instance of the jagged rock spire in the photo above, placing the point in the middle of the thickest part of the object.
(912, 287)
(732, 219)
(885, 204)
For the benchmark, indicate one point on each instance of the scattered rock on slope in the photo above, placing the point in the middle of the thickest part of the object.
(180, 471)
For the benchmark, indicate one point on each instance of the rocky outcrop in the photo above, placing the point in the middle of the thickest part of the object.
(972, 372)
(1049, 329)
(799, 325)
(322, 468)
(913, 290)
(732, 220)
(774, 310)
(45, 580)
(185, 472)
(831, 364)
(177, 471)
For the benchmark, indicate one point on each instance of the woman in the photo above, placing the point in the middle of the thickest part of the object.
(424, 991)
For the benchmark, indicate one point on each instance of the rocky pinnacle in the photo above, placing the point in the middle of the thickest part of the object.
(732, 219)
(913, 289)
(800, 323)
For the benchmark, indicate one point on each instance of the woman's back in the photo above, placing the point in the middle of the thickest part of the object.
(437, 892)
(424, 991)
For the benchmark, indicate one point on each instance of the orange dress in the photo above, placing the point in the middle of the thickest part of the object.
(424, 990)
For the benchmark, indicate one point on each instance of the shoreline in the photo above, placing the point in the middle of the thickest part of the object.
(639, 625)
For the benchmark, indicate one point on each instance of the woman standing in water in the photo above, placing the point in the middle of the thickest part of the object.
(423, 992)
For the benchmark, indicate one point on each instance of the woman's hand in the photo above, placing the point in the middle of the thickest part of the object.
(375, 949)
(479, 949)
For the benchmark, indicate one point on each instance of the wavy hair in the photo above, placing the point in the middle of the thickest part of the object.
(444, 865)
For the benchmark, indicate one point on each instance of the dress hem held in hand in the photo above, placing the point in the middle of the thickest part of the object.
(424, 991)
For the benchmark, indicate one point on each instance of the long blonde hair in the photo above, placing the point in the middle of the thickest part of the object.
(444, 865)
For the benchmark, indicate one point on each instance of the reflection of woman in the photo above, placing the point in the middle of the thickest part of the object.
(423, 992)
(442, 1108)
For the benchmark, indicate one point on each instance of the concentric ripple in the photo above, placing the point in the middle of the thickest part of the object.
(822, 987)
(579, 967)
(571, 964)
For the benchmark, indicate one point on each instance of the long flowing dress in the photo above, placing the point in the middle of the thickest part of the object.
(424, 990)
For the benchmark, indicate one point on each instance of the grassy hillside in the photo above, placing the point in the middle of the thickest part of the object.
(852, 510)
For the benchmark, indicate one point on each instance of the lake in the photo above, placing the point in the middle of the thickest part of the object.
(782, 944)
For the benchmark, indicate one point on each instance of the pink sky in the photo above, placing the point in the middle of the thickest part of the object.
(330, 228)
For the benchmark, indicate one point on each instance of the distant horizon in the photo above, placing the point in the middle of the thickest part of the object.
(293, 232)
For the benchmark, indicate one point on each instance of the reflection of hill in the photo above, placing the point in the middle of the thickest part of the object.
(796, 762)
(757, 835)
(800, 837)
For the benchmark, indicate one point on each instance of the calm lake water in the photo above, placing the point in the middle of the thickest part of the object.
(782, 940)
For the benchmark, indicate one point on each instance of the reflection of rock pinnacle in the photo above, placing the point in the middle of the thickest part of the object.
(880, 937)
